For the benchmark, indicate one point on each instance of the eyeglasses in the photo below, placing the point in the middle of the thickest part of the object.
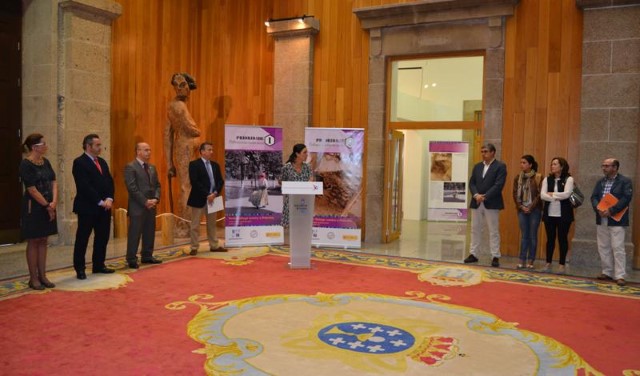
(606, 165)
(40, 144)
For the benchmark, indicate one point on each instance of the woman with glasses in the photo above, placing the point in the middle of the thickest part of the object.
(38, 216)
(558, 212)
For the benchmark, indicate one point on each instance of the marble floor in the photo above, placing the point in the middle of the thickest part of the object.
(437, 241)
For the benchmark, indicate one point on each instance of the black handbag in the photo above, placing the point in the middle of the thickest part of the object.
(576, 198)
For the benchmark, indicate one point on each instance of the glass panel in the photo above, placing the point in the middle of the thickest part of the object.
(437, 89)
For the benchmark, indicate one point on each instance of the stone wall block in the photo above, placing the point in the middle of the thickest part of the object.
(493, 94)
(88, 57)
(494, 64)
(377, 175)
(40, 82)
(626, 56)
(596, 57)
(375, 153)
(611, 24)
(38, 111)
(434, 38)
(619, 90)
(82, 114)
(376, 97)
(594, 125)
(374, 208)
(88, 86)
(375, 128)
(624, 124)
(82, 27)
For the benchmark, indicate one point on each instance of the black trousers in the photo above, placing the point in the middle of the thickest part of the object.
(141, 226)
(557, 227)
(100, 224)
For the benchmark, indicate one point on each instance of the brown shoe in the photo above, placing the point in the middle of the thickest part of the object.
(193, 252)
(604, 277)
(621, 282)
(219, 249)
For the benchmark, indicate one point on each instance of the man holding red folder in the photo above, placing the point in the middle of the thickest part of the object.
(610, 200)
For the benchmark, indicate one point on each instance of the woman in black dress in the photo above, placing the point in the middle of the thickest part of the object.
(38, 217)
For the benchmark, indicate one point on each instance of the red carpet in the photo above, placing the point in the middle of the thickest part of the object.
(132, 330)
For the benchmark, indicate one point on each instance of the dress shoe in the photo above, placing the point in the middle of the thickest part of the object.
(495, 262)
(104, 270)
(604, 277)
(219, 249)
(152, 260)
(470, 259)
(81, 274)
(35, 287)
(621, 282)
(46, 283)
(193, 252)
(133, 265)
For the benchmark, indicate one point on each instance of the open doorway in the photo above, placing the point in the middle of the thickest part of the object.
(434, 127)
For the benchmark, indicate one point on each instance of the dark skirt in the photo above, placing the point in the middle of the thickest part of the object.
(35, 221)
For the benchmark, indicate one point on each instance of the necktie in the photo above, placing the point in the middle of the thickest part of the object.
(146, 169)
(95, 160)
(210, 173)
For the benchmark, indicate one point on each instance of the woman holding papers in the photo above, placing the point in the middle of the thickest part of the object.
(558, 212)
(610, 200)
(296, 169)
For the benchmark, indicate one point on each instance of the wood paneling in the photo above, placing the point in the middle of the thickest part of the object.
(224, 45)
(541, 112)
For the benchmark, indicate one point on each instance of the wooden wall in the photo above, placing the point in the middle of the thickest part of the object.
(541, 113)
(224, 45)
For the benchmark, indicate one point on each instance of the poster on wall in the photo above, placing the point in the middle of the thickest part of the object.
(336, 159)
(253, 199)
(448, 176)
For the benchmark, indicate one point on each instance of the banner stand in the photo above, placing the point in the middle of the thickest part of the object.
(301, 203)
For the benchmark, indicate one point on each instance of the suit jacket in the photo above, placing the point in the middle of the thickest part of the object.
(490, 186)
(622, 189)
(200, 184)
(140, 186)
(91, 186)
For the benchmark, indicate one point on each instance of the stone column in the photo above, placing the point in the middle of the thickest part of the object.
(610, 110)
(67, 85)
(293, 77)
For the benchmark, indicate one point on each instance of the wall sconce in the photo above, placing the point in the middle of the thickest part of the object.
(301, 19)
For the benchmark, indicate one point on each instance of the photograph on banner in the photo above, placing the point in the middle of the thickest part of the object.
(448, 176)
(253, 196)
(336, 159)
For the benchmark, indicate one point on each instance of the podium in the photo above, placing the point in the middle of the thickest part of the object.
(302, 197)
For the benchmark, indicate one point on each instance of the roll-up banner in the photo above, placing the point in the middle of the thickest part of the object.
(448, 177)
(336, 159)
(253, 197)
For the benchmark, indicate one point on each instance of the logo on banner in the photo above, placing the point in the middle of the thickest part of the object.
(314, 233)
(348, 142)
(269, 140)
(331, 235)
(253, 234)
(235, 234)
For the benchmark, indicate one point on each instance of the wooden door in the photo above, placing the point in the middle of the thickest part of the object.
(393, 187)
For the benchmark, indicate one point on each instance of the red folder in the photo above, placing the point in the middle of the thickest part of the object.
(608, 201)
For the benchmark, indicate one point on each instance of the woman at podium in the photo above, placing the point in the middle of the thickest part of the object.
(296, 169)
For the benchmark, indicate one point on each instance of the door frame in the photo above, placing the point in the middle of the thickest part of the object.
(477, 125)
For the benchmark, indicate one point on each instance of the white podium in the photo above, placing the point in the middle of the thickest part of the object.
(302, 196)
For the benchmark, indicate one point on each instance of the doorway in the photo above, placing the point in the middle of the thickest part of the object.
(435, 106)
(11, 124)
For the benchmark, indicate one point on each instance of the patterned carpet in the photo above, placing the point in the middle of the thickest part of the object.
(247, 313)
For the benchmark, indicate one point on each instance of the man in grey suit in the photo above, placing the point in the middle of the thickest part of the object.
(487, 179)
(141, 179)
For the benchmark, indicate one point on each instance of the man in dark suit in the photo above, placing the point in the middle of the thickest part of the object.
(92, 204)
(487, 179)
(141, 179)
(206, 184)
